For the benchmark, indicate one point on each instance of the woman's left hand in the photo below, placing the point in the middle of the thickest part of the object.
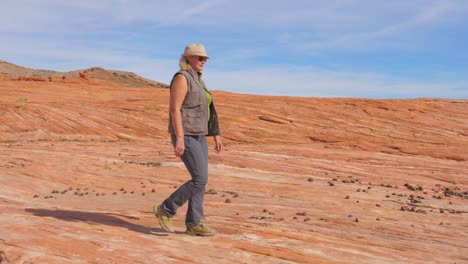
(218, 144)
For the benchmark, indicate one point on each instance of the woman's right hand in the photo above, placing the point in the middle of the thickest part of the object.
(179, 147)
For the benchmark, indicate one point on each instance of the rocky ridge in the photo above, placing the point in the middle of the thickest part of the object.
(121, 77)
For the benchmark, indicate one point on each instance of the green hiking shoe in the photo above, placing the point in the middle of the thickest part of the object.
(200, 230)
(164, 221)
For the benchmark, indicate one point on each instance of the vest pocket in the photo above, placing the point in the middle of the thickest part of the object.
(196, 114)
(193, 122)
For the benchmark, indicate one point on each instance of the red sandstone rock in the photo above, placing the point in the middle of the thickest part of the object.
(310, 180)
(83, 75)
(32, 78)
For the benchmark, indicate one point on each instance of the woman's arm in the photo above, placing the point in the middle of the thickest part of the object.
(178, 92)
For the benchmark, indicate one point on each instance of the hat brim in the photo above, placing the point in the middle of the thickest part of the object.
(195, 54)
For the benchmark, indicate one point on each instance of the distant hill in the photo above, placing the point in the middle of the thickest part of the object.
(122, 77)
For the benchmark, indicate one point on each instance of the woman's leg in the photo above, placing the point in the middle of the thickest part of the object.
(195, 158)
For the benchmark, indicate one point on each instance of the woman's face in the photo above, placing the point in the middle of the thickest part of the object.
(197, 62)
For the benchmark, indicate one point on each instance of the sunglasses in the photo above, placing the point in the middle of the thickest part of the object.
(200, 58)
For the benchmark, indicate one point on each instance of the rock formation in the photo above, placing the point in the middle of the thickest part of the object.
(301, 180)
(17, 72)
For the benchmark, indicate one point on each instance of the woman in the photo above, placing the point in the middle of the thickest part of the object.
(192, 117)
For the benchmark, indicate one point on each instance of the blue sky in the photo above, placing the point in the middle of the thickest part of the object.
(329, 48)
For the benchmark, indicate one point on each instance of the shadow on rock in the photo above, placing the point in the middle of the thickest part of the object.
(3, 258)
(96, 218)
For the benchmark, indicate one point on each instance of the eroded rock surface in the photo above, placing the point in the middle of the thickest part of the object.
(301, 180)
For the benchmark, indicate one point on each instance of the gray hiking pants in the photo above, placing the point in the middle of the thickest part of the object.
(195, 158)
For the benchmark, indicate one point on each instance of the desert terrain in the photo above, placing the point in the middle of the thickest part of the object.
(301, 180)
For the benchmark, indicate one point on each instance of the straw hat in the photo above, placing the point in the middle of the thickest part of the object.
(195, 49)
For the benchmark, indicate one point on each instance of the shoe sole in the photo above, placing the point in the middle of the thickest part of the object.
(155, 211)
(193, 234)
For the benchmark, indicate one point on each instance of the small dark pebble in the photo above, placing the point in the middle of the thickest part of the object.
(310, 180)
(405, 208)
(211, 191)
(228, 200)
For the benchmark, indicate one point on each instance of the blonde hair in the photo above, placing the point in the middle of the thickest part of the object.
(184, 64)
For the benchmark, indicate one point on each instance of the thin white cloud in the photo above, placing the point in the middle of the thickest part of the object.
(305, 81)
(427, 15)
(375, 34)
(199, 9)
